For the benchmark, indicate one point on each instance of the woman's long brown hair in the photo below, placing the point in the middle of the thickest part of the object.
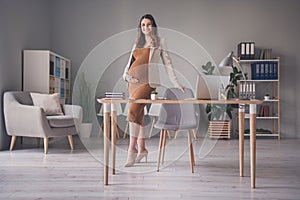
(140, 40)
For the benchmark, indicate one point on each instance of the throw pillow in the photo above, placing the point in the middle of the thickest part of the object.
(48, 102)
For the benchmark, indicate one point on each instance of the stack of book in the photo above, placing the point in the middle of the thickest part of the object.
(114, 95)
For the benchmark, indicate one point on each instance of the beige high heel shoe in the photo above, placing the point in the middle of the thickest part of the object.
(141, 155)
(131, 157)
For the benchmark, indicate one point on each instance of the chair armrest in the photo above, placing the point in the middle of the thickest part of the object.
(25, 120)
(75, 111)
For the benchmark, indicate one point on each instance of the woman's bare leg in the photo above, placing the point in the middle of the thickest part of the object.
(142, 151)
(132, 151)
(134, 130)
(141, 139)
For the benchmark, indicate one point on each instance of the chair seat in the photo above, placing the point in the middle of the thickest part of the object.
(61, 121)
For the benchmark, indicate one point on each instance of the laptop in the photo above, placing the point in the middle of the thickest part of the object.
(207, 86)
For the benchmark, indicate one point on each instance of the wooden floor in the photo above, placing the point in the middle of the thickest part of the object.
(27, 173)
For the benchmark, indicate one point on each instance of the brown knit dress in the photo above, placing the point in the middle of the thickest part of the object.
(141, 89)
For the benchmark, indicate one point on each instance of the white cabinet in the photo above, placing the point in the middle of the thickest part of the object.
(266, 76)
(46, 72)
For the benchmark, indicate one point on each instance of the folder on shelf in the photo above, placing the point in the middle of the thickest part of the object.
(271, 69)
(275, 71)
(246, 50)
(262, 71)
(241, 50)
(267, 73)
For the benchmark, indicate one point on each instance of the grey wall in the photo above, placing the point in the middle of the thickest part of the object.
(216, 24)
(23, 25)
(73, 28)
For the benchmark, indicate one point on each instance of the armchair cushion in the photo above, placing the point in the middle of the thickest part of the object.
(61, 121)
(49, 102)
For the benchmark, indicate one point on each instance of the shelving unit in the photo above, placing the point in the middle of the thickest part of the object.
(263, 86)
(46, 72)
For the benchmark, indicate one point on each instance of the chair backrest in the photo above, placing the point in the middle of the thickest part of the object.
(154, 109)
(178, 116)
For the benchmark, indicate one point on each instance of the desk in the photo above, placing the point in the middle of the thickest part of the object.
(109, 105)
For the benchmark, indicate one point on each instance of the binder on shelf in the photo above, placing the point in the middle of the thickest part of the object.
(247, 54)
(252, 50)
(275, 71)
(246, 50)
(255, 71)
(267, 73)
(271, 69)
(241, 50)
(262, 71)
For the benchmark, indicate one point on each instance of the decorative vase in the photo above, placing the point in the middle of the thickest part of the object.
(267, 97)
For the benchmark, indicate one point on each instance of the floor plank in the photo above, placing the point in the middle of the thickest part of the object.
(27, 173)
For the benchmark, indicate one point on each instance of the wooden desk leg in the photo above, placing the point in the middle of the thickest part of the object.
(241, 137)
(106, 140)
(252, 143)
(113, 138)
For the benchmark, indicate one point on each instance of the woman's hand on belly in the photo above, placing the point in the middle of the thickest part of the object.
(131, 79)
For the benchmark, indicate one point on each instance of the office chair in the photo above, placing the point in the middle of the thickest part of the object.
(176, 117)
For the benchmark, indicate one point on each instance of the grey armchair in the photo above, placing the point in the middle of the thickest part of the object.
(24, 119)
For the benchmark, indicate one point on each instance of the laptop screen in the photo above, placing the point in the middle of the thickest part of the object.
(207, 86)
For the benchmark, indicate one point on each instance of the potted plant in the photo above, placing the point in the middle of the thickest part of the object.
(219, 115)
(86, 103)
(154, 94)
(235, 76)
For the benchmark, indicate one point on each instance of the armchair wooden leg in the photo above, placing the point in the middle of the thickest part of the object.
(46, 143)
(164, 146)
(159, 149)
(12, 142)
(195, 135)
(70, 138)
(192, 160)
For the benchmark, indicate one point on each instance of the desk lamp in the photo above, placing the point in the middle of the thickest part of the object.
(247, 91)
